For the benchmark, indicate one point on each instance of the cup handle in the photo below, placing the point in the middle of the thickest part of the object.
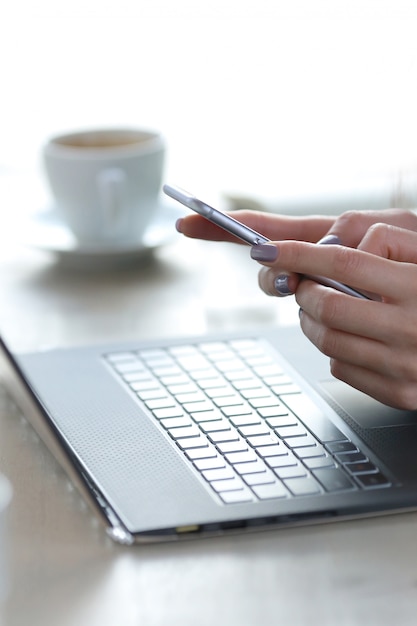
(111, 185)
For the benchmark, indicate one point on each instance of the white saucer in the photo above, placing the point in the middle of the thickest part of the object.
(46, 231)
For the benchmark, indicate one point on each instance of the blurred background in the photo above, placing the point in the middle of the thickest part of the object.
(257, 96)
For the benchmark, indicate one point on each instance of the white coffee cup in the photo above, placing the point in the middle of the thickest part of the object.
(106, 182)
(5, 497)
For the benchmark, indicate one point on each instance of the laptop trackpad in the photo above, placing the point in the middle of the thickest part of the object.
(366, 411)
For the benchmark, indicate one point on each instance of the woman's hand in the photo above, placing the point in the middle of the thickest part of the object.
(372, 344)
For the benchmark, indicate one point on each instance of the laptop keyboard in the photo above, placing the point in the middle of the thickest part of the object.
(243, 423)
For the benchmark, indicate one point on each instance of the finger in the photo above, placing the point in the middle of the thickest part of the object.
(197, 227)
(275, 227)
(352, 226)
(383, 371)
(284, 285)
(335, 311)
(357, 349)
(359, 269)
(391, 242)
(400, 394)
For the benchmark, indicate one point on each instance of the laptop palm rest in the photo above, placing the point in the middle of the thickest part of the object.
(365, 411)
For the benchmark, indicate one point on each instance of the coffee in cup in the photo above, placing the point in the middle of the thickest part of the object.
(106, 182)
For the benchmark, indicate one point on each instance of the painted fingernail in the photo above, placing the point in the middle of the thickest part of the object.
(264, 252)
(281, 285)
(330, 239)
(178, 225)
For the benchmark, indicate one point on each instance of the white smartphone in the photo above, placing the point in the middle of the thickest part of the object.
(244, 233)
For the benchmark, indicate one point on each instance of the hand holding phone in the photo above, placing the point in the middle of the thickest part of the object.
(243, 232)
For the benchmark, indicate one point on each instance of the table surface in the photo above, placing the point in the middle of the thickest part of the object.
(65, 570)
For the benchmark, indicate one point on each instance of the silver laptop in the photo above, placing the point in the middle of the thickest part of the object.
(207, 435)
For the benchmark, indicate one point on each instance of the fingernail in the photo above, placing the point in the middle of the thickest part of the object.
(264, 252)
(330, 239)
(178, 225)
(281, 285)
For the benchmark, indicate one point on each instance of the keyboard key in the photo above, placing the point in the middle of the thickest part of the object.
(145, 384)
(179, 379)
(137, 376)
(310, 451)
(128, 367)
(223, 473)
(270, 492)
(175, 411)
(245, 420)
(334, 479)
(235, 497)
(160, 403)
(265, 401)
(231, 484)
(212, 426)
(284, 460)
(286, 389)
(217, 392)
(176, 422)
(247, 383)
(241, 457)
(260, 478)
(230, 400)
(351, 457)
(153, 392)
(250, 468)
(192, 442)
(292, 471)
(230, 365)
(187, 431)
(240, 409)
(170, 370)
(291, 431)
(341, 446)
(278, 381)
(319, 461)
(306, 441)
(275, 450)
(254, 392)
(214, 382)
(223, 436)
(363, 467)
(211, 463)
(263, 440)
(206, 416)
(197, 396)
(197, 407)
(254, 430)
(302, 486)
(198, 375)
(278, 421)
(226, 447)
(370, 481)
(193, 362)
(203, 452)
(238, 375)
